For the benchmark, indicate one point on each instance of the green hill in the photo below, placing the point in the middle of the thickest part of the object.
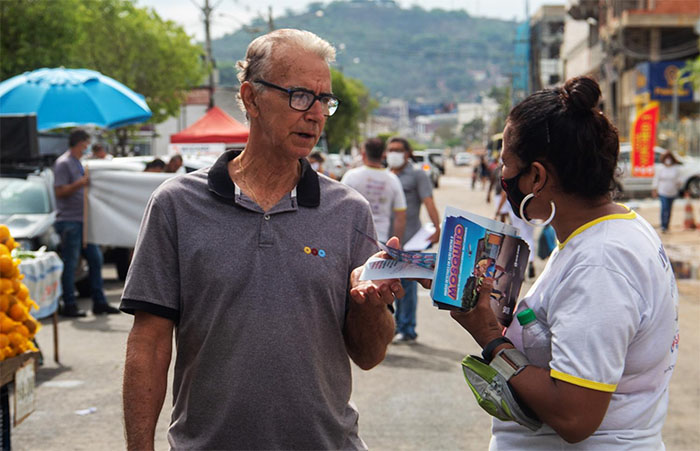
(412, 53)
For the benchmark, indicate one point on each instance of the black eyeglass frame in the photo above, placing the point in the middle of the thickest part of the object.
(292, 91)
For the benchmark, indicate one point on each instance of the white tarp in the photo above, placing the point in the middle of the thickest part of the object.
(116, 203)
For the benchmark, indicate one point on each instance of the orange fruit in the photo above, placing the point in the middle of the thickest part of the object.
(16, 339)
(11, 243)
(5, 285)
(4, 233)
(32, 326)
(4, 303)
(23, 292)
(22, 330)
(4, 250)
(9, 352)
(7, 325)
(17, 312)
(4, 341)
(6, 265)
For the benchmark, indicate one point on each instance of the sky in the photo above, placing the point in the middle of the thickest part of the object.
(230, 15)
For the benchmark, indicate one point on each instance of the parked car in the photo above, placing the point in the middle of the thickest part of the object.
(423, 162)
(464, 159)
(437, 158)
(28, 208)
(630, 186)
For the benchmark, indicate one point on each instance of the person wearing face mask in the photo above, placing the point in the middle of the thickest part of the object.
(418, 191)
(607, 296)
(666, 185)
(316, 161)
(381, 188)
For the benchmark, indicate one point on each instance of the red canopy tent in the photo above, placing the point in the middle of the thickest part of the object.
(214, 127)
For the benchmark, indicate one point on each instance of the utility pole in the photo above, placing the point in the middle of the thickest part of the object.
(209, 60)
(270, 23)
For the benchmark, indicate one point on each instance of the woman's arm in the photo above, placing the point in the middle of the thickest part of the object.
(574, 412)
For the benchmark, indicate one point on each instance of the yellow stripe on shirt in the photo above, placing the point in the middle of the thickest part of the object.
(629, 215)
(599, 386)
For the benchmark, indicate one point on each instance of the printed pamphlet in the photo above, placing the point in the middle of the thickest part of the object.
(473, 247)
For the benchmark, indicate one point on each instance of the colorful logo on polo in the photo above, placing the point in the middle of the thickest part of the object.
(313, 251)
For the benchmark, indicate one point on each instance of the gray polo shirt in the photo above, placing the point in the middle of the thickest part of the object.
(416, 187)
(259, 301)
(67, 170)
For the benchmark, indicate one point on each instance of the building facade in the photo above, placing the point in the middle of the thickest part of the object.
(635, 49)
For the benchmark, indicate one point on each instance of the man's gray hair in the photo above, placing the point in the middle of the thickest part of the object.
(258, 59)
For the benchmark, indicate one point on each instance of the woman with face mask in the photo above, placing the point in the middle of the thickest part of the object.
(607, 296)
(666, 185)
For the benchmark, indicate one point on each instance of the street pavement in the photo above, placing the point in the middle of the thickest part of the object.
(416, 399)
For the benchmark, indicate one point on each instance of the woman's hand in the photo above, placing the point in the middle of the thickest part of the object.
(481, 321)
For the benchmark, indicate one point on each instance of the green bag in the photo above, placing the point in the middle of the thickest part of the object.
(494, 394)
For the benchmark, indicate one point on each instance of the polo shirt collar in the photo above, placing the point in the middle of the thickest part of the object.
(220, 183)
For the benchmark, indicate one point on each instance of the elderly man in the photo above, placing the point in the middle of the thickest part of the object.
(250, 263)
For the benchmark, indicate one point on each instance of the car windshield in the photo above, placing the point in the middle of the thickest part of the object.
(19, 196)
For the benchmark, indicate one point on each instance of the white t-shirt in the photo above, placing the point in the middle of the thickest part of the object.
(384, 192)
(609, 298)
(667, 180)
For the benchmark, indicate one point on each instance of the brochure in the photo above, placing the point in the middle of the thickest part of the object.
(473, 247)
(421, 240)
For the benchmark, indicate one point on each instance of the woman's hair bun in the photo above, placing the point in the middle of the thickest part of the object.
(580, 93)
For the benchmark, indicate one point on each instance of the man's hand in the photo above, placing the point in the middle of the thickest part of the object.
(435, 237)
(369, 325)
(67, 190)
(480, 322)
(376, 292)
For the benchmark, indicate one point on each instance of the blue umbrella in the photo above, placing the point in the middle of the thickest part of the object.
(69, 97)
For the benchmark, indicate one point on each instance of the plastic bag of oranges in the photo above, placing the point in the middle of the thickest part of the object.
(17, 326)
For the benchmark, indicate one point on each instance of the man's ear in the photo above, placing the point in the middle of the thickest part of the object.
(249, 96)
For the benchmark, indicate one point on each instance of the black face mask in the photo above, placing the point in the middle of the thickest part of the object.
(513, 194)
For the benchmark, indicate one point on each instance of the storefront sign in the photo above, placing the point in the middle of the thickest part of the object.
(643, 139)
(658, 80)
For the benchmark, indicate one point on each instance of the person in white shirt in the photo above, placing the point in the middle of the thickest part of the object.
(666, 185)
(607, 296)
(381, 188)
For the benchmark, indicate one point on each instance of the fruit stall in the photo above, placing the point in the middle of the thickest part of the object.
(18, 352)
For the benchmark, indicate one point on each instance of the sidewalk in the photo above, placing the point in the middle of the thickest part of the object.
(682, 246)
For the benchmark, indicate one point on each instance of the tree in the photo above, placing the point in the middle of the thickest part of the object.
(444, 133)
(692, 70)
(502, 96)
(133, 45)
(473, 131)
(343, 128)
(36, 34)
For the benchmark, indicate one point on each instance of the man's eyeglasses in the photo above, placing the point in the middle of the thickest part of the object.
(301, 99)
